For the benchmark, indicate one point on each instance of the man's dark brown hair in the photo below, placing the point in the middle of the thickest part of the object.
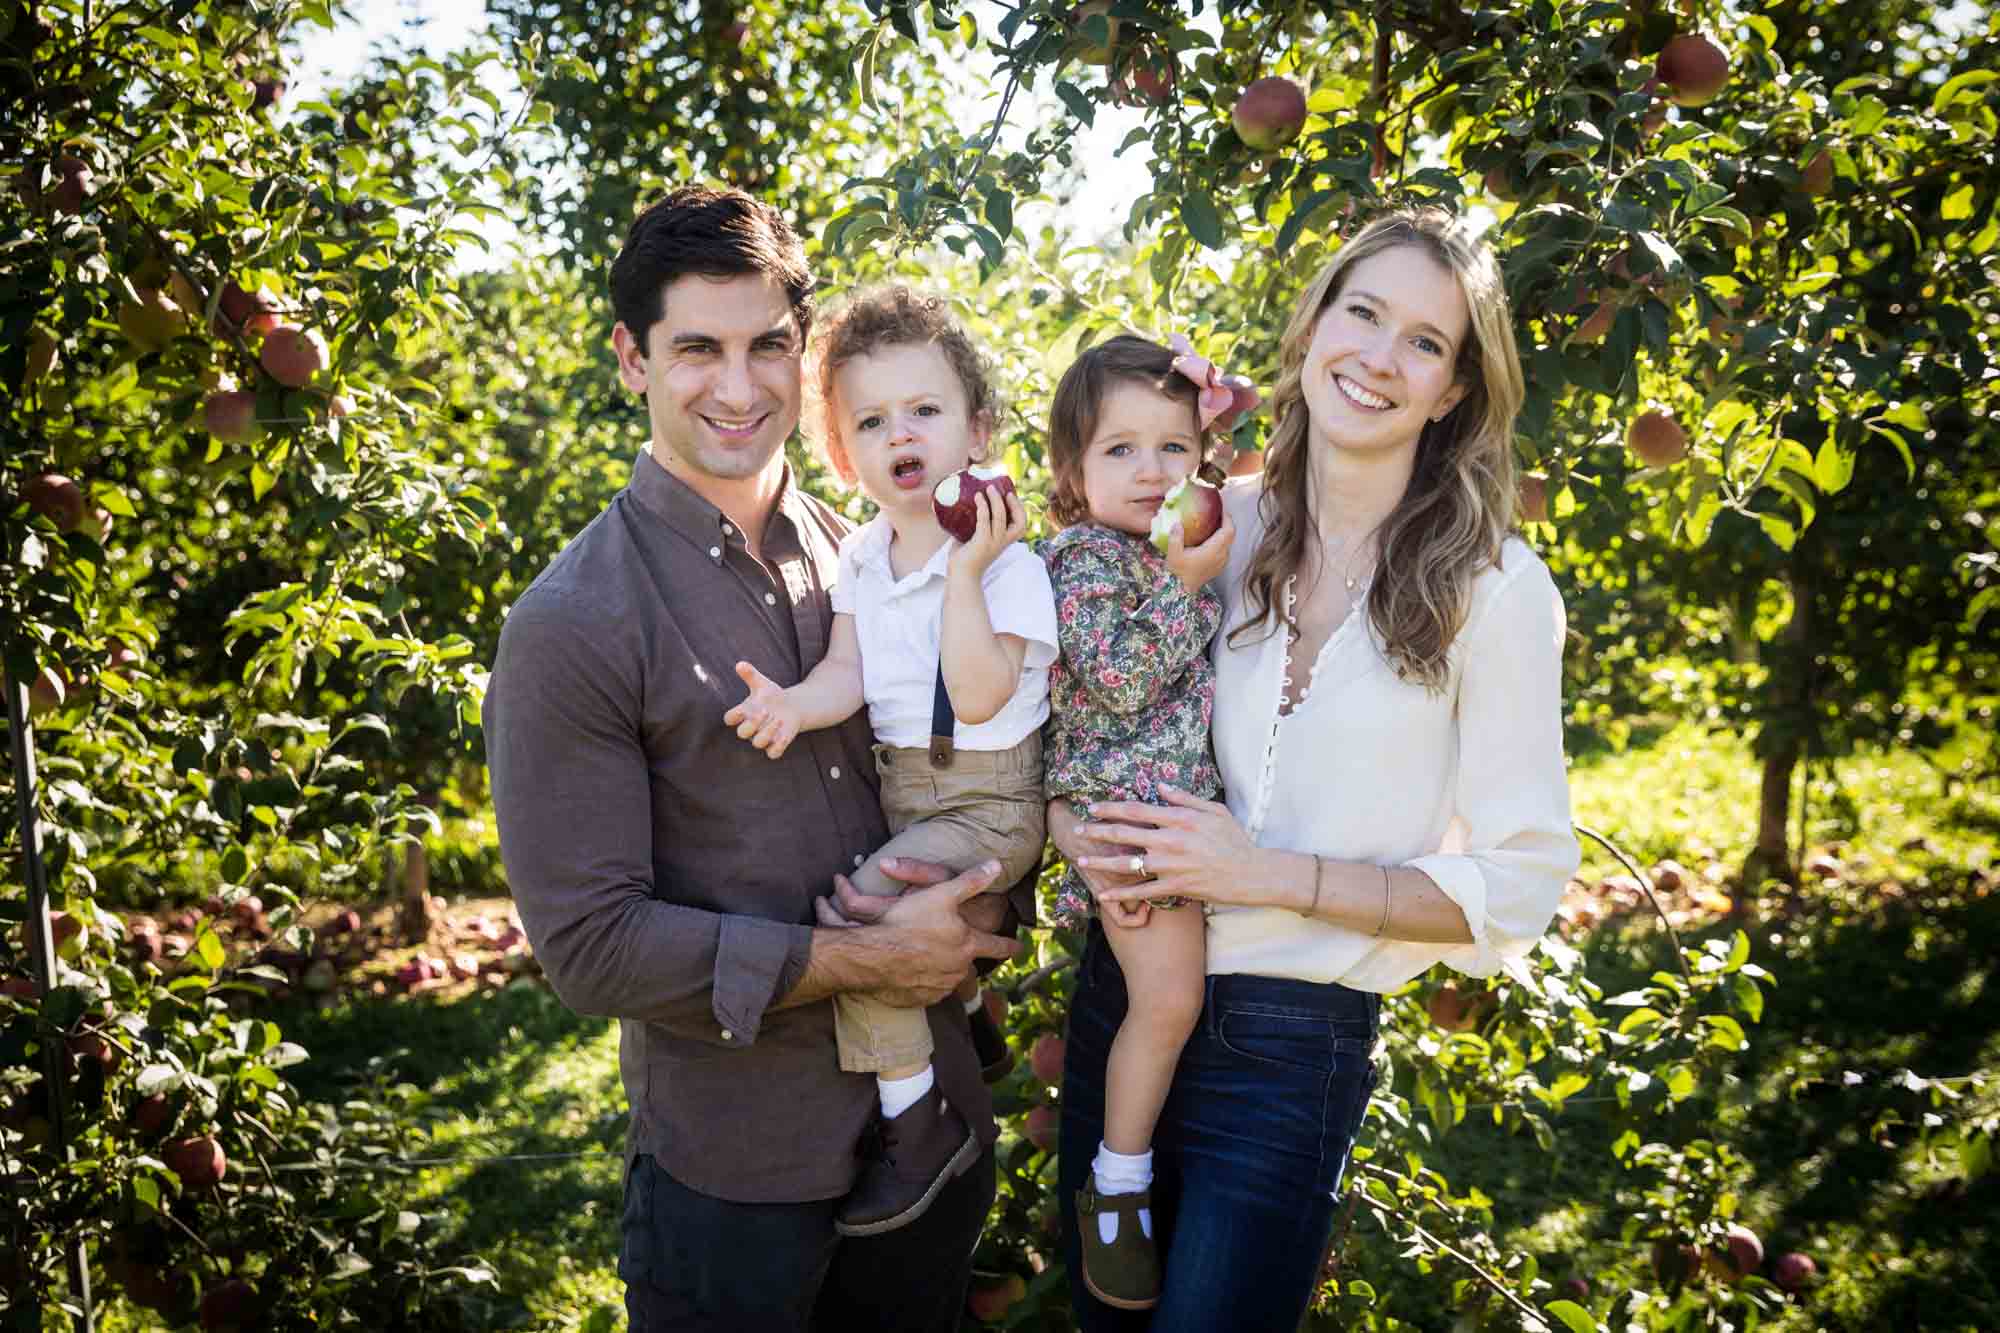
(699, 229)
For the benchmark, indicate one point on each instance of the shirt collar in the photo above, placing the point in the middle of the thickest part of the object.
(874, 550)
(667, 497)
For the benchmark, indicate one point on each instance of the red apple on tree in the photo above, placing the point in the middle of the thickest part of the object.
(44, 355)
(57, 498)
(1270, 113)
(1195, 507)
(1042, 1127)
(72, 183)
(1693, 68)
(293, 356)
(1742, 1254)
(1656, 439)
(1534, 498)
(1087, 21)
(198, 1161)
(229, 1307)
(1792, 1270)
(956, 498)
(251, 312)
(1045, 1058)
(1816, 176)
(232, 417)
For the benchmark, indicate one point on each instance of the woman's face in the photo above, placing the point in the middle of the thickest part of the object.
(1383, 353)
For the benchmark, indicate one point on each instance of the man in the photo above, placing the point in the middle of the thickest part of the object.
(667, 872)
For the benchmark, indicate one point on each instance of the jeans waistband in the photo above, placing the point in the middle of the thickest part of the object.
(1329, 999)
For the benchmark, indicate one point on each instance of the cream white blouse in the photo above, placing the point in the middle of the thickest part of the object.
(1468, 786)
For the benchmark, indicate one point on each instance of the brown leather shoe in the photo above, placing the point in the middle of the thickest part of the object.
(921, 1151)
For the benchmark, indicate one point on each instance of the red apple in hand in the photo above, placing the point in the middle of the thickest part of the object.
(1195, 506)
(956, 498)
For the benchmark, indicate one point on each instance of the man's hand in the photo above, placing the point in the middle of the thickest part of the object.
(848, 906)
(929, 945)
(768, 718)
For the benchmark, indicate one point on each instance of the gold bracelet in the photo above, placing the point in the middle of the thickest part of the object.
(1317, 866)
(1384, 923)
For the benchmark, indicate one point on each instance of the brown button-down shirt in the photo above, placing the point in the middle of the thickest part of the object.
(664, 868)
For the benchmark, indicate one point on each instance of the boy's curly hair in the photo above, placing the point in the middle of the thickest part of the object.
(891, 317)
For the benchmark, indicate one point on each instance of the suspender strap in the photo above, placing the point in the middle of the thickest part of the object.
(943, 723)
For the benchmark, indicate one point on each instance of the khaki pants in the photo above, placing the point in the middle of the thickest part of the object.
(987, 805)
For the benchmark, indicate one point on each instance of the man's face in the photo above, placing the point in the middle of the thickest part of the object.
(720, 371)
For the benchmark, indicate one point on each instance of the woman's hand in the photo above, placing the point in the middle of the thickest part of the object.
(1188, 847)
(1064, 826)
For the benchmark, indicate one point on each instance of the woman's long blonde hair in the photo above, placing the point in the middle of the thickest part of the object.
(1459, 505)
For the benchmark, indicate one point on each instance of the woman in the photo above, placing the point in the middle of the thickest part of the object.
(1388, 727)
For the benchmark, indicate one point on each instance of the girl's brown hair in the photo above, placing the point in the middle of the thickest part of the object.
(892, 317)
(1073, 416)
(1459, 506)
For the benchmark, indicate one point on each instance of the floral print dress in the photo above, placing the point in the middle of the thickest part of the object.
(1131, 698)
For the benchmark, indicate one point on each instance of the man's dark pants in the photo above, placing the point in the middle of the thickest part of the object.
(694, 1264)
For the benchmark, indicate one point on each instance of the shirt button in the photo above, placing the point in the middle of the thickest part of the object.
(715, 553)
(835, 771)
(770, 599)
(858, 860)
(728, 531)
(727, 1035)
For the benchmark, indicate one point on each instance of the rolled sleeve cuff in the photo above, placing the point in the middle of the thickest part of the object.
(1462, 881)
(756, 963)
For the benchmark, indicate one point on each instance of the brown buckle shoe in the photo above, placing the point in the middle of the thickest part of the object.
(1126, 1272)
(921, 1151)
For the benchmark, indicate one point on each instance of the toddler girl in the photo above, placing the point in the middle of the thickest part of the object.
(1132, 696)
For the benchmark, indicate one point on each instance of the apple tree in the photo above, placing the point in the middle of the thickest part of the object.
(219, 481)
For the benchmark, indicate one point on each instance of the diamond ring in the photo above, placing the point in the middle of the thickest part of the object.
(1139, 866)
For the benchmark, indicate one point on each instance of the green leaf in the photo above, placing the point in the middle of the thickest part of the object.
(1574, 1316)
(1781, 533)
(1000, 212)
(1739, 952)
(1749, 996)
(209, 949)
(1204, 222)
(1957, 205)
(1073, 98)
(1964, 87)
(1726, 1032)
(1833, 468)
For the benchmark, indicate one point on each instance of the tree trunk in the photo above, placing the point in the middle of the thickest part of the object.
(1792, 675)
(417, 921)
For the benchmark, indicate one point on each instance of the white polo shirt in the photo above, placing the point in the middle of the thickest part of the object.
(898, 622)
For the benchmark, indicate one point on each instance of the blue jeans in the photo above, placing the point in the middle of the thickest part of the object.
(695, 1264)
(1250, 1150)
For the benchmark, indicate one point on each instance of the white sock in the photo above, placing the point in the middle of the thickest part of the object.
(1122, 1173)
(973, 1005)
(900, 1094)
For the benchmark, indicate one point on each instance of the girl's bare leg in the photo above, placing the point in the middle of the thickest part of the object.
(1164, 962)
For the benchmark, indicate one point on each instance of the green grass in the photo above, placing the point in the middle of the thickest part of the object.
(1868, 983)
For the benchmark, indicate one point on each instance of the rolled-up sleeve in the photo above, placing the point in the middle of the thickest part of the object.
(1512, 848)
(572, 797)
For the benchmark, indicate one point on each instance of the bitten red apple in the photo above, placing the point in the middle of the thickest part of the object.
(1195, 506)
(956, 498)
(1270, 113)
